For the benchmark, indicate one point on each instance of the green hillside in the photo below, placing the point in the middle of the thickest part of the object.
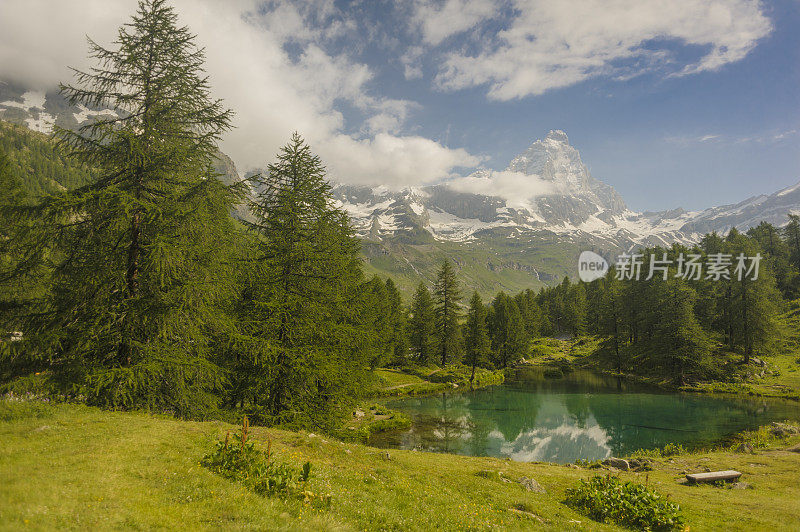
(37, 162)
(496, 261)
(79, 468)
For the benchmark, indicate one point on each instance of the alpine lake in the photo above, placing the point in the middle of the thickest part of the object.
(582, 416)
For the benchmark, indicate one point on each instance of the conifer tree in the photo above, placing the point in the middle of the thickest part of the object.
(575, 309)
(308, 294)
(611, 314)
(754, 300)
(422, 325)
(678, 341)
(476, 337)
(141, 276)
(792, 235)
(507, 331)
(776, 251)
(447, 295)
(20, 252)
(531, 313)
(378, 314)
(398, 322)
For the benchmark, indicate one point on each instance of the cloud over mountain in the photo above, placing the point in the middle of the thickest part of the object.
(278, 65)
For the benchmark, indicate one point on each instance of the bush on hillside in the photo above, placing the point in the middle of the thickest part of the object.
(238, 459)
(609, 500)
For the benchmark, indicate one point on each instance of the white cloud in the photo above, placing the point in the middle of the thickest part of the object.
(39, 40)
(272, 91)
(399, 161)
(411, 59)
(551, 44)
(439, 19)
(515, 187)
(768, 137)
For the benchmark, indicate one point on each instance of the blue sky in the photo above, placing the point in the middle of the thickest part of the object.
(690, 103)
(662, 140)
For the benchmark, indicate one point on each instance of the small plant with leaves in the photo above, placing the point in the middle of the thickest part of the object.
(237, 458)
(610, 500)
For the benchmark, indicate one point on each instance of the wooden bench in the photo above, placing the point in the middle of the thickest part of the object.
(713, 476)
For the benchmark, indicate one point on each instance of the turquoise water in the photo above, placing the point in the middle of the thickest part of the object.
(582, 416)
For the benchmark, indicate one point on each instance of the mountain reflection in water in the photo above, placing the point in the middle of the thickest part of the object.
(583, 416)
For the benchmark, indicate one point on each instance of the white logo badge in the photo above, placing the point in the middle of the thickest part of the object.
(591, 266)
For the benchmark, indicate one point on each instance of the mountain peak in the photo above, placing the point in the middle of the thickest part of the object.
(558, 136)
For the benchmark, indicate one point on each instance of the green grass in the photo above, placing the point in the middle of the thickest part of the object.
(427, 380)
(74, 467)
(543, 349)
(389, 378)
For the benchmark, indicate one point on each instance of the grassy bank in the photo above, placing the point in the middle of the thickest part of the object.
(778, 377)
(74, 467)
(427, 380)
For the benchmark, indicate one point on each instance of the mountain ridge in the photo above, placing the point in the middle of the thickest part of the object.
(522, 227)
(572, 202)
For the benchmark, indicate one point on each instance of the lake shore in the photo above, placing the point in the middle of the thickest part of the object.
(372, 417)
(778, 377)
(75, 467)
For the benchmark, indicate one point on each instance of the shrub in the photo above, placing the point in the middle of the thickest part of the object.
(672, 449)
(609, 500)
(238, 459)
(553, 373)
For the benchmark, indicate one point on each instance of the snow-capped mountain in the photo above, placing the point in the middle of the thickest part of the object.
(569, 202)
(40, 111)
(510, 229)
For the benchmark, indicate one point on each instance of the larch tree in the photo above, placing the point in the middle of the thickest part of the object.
(23, 275)
(507, 330)
(140, 274)
(755, 311)
(792, 234)
(398, 322)
(611, 313)
(678, 343)
(422, 325)
(446, 296)
(476, 336)
(308, 294)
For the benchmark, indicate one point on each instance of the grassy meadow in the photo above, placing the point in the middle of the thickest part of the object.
(80, 468)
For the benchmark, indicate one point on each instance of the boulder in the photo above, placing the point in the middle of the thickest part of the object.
(528, 484)
(619, 463)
